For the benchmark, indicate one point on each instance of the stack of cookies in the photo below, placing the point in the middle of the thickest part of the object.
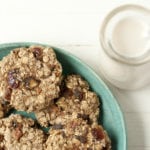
(31, 80)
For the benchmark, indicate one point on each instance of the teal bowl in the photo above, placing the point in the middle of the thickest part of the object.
(110, 114)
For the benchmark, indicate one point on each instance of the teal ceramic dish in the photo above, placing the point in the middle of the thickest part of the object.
(110, 116)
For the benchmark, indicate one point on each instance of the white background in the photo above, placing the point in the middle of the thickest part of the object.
(74, 25)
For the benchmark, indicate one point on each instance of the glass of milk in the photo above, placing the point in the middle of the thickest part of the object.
(125, 52)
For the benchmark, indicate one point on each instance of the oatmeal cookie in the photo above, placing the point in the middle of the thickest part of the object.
(78, 135)
(18, 133)
(30, 78)
(76, 101)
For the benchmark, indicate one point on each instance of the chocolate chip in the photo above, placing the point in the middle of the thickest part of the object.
(98, 133)
(81, 138)
(89, 148)
(31, 82)
(12, 78)
(37, 52)
(78, 94)
(1, 137)
(85, 117)
(57, 126)
(8, 93)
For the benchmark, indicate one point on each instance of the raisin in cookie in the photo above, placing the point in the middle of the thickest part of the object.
(18, 133)
(30, 78)
(78, 135)
(76, 101)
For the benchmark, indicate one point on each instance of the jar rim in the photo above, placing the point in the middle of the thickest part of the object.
(106, 45)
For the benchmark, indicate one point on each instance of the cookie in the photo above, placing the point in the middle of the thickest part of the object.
(30, 78)
(78, 135)
(76, 101)
(18, 133)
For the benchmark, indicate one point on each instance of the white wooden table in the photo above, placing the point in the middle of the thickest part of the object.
(74, 25)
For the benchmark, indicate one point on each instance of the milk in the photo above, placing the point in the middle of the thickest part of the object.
(130, 37)
(125, 52)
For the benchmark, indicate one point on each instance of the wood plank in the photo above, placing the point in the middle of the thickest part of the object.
(66, 6)
(138, 148)
(138, 129)
(133, 101)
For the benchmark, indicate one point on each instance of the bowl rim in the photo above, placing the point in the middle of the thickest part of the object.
(123, 124)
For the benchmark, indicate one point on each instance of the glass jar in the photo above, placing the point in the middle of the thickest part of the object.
(125, 52)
